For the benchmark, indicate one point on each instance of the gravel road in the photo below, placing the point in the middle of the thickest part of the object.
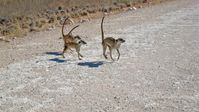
(158, 70)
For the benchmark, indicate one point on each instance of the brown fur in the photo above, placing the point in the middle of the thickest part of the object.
(111, 43)
(76, 46)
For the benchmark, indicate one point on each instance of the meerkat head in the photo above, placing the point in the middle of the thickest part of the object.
(81, 42)
(120, 40)
(77, 37)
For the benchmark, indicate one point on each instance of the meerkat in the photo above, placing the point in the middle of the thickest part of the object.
(68, 38)
(71, 41)
(110, 42)
(76, 46)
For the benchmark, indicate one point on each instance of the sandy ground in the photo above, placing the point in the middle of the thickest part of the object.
(158, 70)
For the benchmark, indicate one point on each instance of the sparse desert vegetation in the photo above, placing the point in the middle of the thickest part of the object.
(18, 17)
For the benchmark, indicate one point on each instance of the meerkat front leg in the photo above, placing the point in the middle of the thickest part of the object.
(79, 55)
(118, 54)
(111, 53)
(65, 48)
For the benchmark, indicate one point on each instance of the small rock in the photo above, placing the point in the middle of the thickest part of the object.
(91, 11)
(134, 8)
(105, 10)
(84, 13)
(60, 8)
(4, 39)
(51, 27)
(145, 1)
(84, 20)
(128, 5)
(140, 6)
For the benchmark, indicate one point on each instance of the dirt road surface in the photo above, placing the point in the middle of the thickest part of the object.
(158, 70)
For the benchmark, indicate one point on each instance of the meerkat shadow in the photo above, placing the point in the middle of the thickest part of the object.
(92, 64)
(53, 53)
(57, 60)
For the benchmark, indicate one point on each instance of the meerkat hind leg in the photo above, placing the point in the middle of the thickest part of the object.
(118, 54)
(104, 50)
(81, 55)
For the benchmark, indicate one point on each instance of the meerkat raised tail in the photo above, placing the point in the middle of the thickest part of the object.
(69, 37)
(110, 42)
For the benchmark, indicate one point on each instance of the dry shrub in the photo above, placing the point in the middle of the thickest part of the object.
(24, 7)
(28, 18)
(14, 30)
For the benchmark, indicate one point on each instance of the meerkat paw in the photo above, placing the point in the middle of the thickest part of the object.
(105, 56)
(63, 56)
(112, 59)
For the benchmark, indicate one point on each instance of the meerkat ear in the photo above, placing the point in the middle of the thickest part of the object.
(77, 37)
